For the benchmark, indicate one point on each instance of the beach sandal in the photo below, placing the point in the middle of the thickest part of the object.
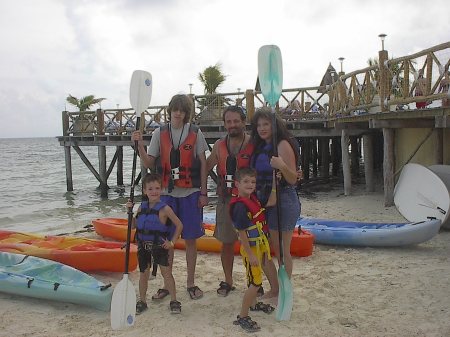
(140, 307)
(260, 306)
(195, 292)
(175, 307)
(224, 289)
(247, 324)
(160, 294)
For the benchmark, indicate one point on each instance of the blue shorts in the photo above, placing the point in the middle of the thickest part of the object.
(191, 216)
(290, 209)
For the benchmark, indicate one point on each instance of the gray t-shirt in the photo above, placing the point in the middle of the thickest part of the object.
(200, 147)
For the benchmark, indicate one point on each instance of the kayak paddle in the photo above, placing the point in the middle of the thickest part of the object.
(270, 73)
(123, 302)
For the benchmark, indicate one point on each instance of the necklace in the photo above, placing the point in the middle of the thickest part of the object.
(229, 149)
(171, 138)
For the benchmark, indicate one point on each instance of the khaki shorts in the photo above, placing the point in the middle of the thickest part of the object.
(224, 231)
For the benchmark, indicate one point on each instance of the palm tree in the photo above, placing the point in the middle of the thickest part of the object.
(212, 77)
(84, 103)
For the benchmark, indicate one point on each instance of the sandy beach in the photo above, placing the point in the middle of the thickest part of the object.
(338, 291)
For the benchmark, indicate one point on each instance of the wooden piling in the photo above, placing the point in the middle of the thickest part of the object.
(68, 158)
(388, 166)
(346, 162)
(368, 162)
(119, 174)
(102, 171)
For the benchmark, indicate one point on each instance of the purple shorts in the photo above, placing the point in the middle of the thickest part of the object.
(190, 214)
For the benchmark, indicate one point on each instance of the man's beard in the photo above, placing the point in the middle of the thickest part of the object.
(235, 133)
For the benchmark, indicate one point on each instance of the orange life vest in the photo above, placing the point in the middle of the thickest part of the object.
(187, 174)
(225, 183)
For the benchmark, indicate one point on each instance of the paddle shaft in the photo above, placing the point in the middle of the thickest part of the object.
(277, 189)
(130, 210)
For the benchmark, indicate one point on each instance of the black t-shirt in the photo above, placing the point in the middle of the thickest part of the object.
(239, 216)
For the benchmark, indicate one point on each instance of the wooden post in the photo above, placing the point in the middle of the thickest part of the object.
(439, 146)
(336, 158)
(346, 162)
(354, 155)
(65, 123)
(368, 162)
(119, 150)
(388, 166)
(250, 104)
(325, 155)
(384, 80)
(305, 157)
(100, 122)
(68, 157)
(314, 155)
(102, 171)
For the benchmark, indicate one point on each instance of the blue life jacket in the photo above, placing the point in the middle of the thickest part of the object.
(261, 163)
(148, 225)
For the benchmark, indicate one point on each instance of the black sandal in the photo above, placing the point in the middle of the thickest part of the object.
(260, 306)
(224, 289)
(247, 324)
(175, 307)
(160, 294)
(193, 292)
(141, 307)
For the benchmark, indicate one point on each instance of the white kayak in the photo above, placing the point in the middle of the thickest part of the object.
(421, 193)
(41, 278)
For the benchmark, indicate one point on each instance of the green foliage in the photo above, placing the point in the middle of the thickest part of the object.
(211, 78)
(84, 103)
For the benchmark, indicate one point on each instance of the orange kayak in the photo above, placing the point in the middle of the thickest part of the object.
(81, 253)
(116, 228)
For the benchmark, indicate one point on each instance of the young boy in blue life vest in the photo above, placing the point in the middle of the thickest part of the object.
(249, 219)
(153, 234)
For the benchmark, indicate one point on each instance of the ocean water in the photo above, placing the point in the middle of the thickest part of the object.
(33, 192)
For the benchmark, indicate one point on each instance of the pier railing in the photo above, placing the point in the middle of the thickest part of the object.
(389, 84)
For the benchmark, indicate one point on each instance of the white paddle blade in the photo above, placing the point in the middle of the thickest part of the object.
(270, 73)
(123, 304)
(140, 91)
(285, 296)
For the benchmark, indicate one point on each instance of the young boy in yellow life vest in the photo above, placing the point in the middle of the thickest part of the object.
(249, 219)
(154, 224)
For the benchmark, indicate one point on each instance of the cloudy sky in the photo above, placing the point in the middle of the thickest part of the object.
(50, 48)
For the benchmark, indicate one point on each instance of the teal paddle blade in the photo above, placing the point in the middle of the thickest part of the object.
(285, 296)
(270, 73)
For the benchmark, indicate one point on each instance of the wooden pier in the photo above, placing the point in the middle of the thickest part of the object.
(369, 112)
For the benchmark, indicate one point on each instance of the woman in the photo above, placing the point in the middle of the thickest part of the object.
(285, 162)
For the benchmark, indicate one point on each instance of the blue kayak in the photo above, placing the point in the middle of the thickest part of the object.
(364, 234)
(369, 234)
(41, 278)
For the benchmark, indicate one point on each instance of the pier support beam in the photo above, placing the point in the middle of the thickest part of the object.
(368, 162)
(388, 166)
(325, 156)
(102, 171)
(68, 157)
(346, 162)
(119, 151)
(335, 156)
